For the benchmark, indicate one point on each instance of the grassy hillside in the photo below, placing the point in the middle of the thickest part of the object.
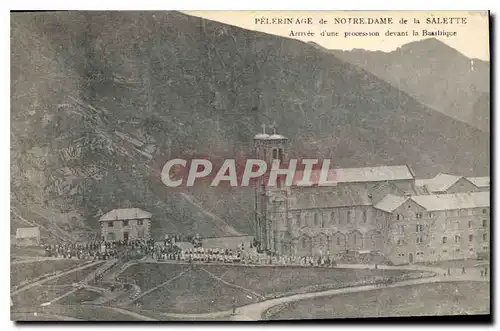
(100, 100)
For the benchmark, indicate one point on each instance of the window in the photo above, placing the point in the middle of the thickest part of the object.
(364, 216)
(485, 236)
(470, 237)
(275, 153)
(354, 239)
(429, 214)
(420, 228)
(457, 250)
(457, 239)
(420, 240)
(332, 218)
(125, 223)
(401, 229)
(110, 224)
(297, 220)
(400, 242)
(349, 216)
(419, 215)
(139, 222)
(304, 242)
(322, 220)
(338, 241)
(444, 240)
(398, 217)
(485, 223)
(316, 219)
(484, 211)
(470, 224)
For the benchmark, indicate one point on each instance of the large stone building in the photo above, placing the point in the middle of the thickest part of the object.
(125, 224)
(383, 209)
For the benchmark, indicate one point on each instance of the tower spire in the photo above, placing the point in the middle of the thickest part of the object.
(263, 128)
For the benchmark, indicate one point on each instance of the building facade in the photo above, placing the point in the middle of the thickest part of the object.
(28, 236)
(374, 209)
(125, 224)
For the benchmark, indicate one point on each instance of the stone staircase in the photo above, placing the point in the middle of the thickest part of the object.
(99, 271)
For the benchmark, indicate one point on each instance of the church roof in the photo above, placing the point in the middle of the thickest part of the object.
(390, 203)
(438, 201)
(261, 136)
(480, 181)
(277, 136)
(440, 183)
(453, 201)
(340, 196)
(125, 214)
(360, 175)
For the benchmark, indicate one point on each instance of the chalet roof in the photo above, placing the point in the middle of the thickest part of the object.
(22, 233)
(125, 214)
(440, 183)
(480, 181)
(453, 201)
(391, 202)
(360, 175)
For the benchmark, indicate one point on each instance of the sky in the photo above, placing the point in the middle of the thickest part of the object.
(472, 38)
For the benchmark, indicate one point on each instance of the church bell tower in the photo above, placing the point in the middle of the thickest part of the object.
(268, 200)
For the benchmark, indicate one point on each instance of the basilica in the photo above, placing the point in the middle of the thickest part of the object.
(374, 209)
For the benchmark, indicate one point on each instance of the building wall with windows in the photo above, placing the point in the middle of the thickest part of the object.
(460, 234)
(125, 224)
(125, 229)
(422, 234)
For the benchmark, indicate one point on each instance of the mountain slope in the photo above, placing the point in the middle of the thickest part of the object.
(101, 100)
(435, 74)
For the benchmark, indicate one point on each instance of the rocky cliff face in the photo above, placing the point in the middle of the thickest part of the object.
(434, 74)
(101, 100)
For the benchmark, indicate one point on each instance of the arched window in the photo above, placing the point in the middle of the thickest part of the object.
(322, 220)
(332, 218)
(338, 240)
(297, 220)
(354, 239)
(364, 216)
(349, 216)
(316, 219)
(304, 242)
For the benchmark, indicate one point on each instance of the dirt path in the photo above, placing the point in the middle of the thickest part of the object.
(255, 311)
(133, 314)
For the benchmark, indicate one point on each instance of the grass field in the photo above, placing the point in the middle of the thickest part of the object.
(37, 295)
(74, 277)
(23, 271)
(451, 298)
(83, 312)
(79, 296)
(211, 288)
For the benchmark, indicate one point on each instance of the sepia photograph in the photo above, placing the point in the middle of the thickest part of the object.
(249, 165)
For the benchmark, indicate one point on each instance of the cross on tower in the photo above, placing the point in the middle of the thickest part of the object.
(273, 126)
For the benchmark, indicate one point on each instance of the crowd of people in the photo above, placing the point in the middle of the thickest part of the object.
(168, 250)
(101, 250)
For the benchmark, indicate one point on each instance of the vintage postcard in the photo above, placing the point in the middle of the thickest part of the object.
(242, 166)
